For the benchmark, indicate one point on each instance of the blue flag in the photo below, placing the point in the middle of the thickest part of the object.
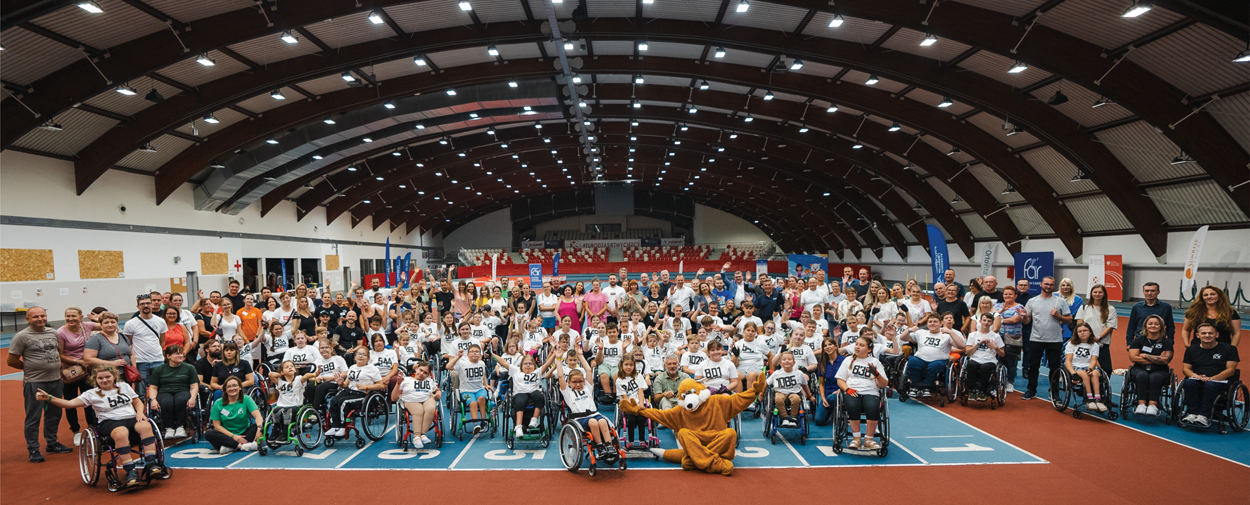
(555, 265)
(407, 264)
(387, 264)
(937, 251)
(282, 280)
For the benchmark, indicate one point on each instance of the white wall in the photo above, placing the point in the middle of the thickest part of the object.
(717, 228)
(39, 187)
(492, 231)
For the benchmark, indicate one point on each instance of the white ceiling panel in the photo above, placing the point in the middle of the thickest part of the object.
(185, 11)
(117, 24)
(1097, 213)
(167, 146)
(460, 57)
(349, 30)
(769, 16)
(1028, 221)
(695, 10)
(271, 49)
(746, 58)
(1009, 7)
(1080, 103)
(995, 67)
(857, 30)
(1099, 21)
(1196, 203)
(1234, 113)
(1198, 59)
(497, 11)
(672, 50)
(79, 129)
(1057, 170)
(191, 73)
(614, 47)
(27, 57)
(908, 41)
(1145, 152)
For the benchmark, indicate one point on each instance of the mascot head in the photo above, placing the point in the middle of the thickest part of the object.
(693, 394)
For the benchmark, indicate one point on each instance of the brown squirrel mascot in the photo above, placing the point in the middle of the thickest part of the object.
(701, 425)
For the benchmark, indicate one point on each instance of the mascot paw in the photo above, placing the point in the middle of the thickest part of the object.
(721, 466)
(658, 452)
(630, 407)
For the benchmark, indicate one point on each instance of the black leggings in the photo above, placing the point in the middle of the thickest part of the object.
(316, 395)
(521, 401)
(336, 405)
(173, 408)
(1149, 384)
(218, 439)
(71, 415)
(980, 374)
(636, 424)
(868, 405)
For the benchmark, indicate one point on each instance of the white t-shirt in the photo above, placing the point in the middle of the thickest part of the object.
(532, 340)
(291, 393)
(773, 341)
(612, 352)
(614, 295)
(984, 354)
(497, 304)
(759, 324)
(811, 298)
(403, 353)
(751, 354)
(885, 313)
(332, 365)
(716, 374)
(814, 342)
(552, 300)
(471, 375)
(461, 344)
(412, 390)
(282, 316)
(524, 382)
(655, 356)
(848, 307)
(681, 297)
(115, 405)
(858, 374)
(427, 332)
(681, 329)
(693, 360)
(306, 356)
(918, 310)
(277, 345)
(1082, 354)
(360, 376)
(574, 336)
(579, 400)
(1091, 315)
(629, 386)
(480, 333)
(789, 383)
(383, 359)
(803, 357)
(145, 344)
(932, 346)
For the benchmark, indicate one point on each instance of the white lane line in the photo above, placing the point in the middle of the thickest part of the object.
(914, 455)
(1008, 444)
(362, 449)
(942, 436)
(793, 450)
(461, 455)
(250, 454)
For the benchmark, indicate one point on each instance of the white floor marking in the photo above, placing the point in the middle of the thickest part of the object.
(1008, 444)
(942, 436)
(250, 454)
(965, 448)
(914, 455)
(362, 449)
(795, 451)
(461, 455)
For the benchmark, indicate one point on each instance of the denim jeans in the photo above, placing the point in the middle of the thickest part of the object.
(824, 415)
(923, 372)
(145, 368)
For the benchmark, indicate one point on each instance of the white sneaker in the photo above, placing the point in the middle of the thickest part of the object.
(1141, 409)
(1100, 406)
(534, 423)
(169, 433)
(77, 439)
(1202, 420)
(180, 433)
(1152, 410)
(248, 447)
(340, 432)
(426, 440)
(225, 450)
(1010, 388)
(477, 429)
(519, 432)
(1188, 419)
(416, 443)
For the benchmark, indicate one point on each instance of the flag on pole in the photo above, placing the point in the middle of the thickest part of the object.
(1191, 260)
(387, 264)
(494, 264)
(555, 265)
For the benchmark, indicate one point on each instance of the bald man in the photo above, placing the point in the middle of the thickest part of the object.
(37, 353)
(989, 288)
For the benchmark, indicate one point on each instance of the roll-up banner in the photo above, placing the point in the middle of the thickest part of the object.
(1033, 266)
(937, 252)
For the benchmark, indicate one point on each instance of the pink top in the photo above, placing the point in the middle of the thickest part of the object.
(595, 302)
(75, 342)
(569, 309)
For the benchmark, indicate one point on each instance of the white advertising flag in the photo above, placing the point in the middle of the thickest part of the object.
(494, 265)
(987, 259)
(1097, 272)
(1191, 259)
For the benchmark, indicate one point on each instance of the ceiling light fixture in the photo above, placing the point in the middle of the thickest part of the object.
(347, 76)
(203, 59)
(928, 40)
(492, 50)
(895, 127)
(797, 64)
(211, 119)
(703, 86)
(466, 6)
(1138, 8)
(946, 102)
(125, 89)
(1182, 159)
(768, 95)
(418, 61)
(1242, 57)
(277, 94)
(953, 151)
(389, 105)
(720, 53)
(91, 7)
(1009, 190)
(376, 17)
(836, 21)
(451, 92)
(271, 140)
(512, 84)
(289, 37)
(748, 119)
(1014, 130)
(1080, 176)
(833, 107)
(642, 45)
(1101, 101)
(743, 5)
(317, 157)
(638, 79)
(872, 79)
(1058, 99)
(1018, 67)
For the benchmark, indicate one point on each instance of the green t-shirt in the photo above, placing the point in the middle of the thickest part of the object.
(173, 379)
(234, 417)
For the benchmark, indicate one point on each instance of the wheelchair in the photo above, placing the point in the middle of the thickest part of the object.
(94, 448)
(998, 386)
(842, 426)
(1065, 386)
(894, 372)
(198, 422)
(772, 418)
(461, 417)
(1129, 396)
(651, 433)
(262, 393)
(507, 418)
(576, 444)
(370, 419)
(1231, 410)
(304, 431)
(946, 390)
(403, 428)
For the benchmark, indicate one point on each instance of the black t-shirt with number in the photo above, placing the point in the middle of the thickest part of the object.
(1153, 348)
(1210, 362)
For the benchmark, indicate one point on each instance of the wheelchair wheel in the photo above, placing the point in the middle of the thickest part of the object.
(904, 381)
(1236, 407)
(376, 416)
(883, 429)
(1104, 385)
(401, 433)
(1128, 398)
(571, 448)
(1178, 403)
(953, 374)
(308, 429)
(840, 426)
(261, 399)
(766, 405)
(89, 457)
(1060, 389)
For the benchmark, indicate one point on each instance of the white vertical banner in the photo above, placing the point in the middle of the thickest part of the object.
(681, 266)
(1097, 272)
(987, 259)
(1191, 259)
(494, 265)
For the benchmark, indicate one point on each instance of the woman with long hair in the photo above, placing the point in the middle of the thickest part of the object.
(462, 301)
(1213, 309)
(570, 306)
(1101, 318)
(1068, 293)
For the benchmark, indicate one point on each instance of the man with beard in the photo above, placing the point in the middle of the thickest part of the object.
(1048, 313)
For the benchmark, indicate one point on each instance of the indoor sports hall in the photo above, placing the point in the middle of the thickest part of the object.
(622, 250)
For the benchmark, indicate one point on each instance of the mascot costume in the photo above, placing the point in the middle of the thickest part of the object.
(701, 425)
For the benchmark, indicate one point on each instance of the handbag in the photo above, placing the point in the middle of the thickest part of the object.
(74, 374)
(130, 371)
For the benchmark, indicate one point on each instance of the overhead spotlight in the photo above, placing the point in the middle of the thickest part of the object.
(768, 95)
(577, 79)
(872, 79)
(211, 119)
(796, 64)
(833, 107)
(216, 164)
(1080, 176)
(367, 140)
(538, 126)
(1182, 159)
(946, 102)
(733, 136)
(466, 6)
(703, 86)
(895, 127)
(857, 145)
(720, 53)
(51, 126)
(1017, 67)
(642, 45)
(586, 122)
(154, 96)
(347, 76)
(1059, 98)
(389, 105)
(512, 84)
(277, 95)
(504, 145)
(271, 140)
(289, 37)
(720, 149)
(677, 142)
(376, 17)
(473, 115)
(462, 154)
(420, 126)
(451, 92)
(308, 185)
(692, 109)
(1009, 190)
(125, 89)
(91, 7)
(396, 153)
(419, 61)
(1101, 101)
(928, 40)
(147, 148)
(203, 59)
(568, 45)
(1014, 130)
(953, 151)
(743, 5)
(366, 201)
(684, 127)
(1242, 57)
(638, 79)
(825, 194)
(444, 141)
(637, 105)
(909, 166)
(956, 200)
(581, 103)
(317, 157)
(490, 131)
(492, 50)
(836, 21)
(633, 139)
(1138, 8)
(748, 119)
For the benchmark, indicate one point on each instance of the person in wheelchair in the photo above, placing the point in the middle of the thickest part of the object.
(789, 388)
(361, 378)
(173, 388)
(473, 388)
(1151, 353)
(302, 354)
(578, 395)
(330, 368)
(984, 349)
(631, 384)
(1081, 359)
(119, 413)
(1208, 367)
(933, 352)
(717, 373)
(861, 378)
(406, 350)
(385, 360)
(419, 394)
(527, 392)
(291, 386)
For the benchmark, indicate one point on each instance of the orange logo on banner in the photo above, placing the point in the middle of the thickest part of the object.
(1189, 273)
(1113, 273)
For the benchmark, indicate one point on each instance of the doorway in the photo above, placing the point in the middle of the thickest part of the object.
(310, 272)
(279, 272)
(251, 275)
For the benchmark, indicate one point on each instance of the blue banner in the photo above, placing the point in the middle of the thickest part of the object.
(555, 265)
(937, 252)
(1033, 266)
(802, 266)
(282, 280)
(536, 275)
(407, 265)
(387, 264)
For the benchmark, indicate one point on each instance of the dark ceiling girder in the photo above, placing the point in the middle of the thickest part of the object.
(234, 55)
(1177, 26)
(1225, 16)
(186, 136)
(386, 18)
(17, 12)
(102, 112)
(236, 108)
(309, 36)
(157, 76)
(158, 14)
(56, 37)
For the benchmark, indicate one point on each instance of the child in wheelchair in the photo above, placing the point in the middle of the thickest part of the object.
(984, 349)
(1080, 358)
(578, 396)
(861, 378)
(717, 373)
(526, 383)
(419, 395)
(473, 387)
(630, 384)
(360, 379)
(290, 386)
(789, 388)
(119, 414)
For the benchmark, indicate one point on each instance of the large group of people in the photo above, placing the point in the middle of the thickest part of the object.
(634, 337)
